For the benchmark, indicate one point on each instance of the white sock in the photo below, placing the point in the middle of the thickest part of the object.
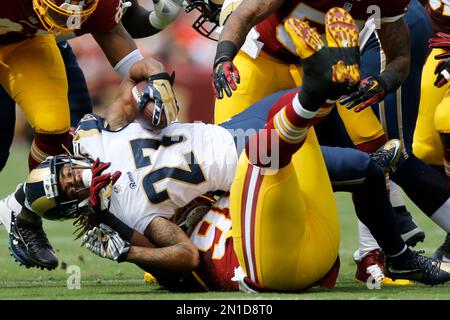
(367, 242)
(7, 204)
(395, 196)
(442, 216)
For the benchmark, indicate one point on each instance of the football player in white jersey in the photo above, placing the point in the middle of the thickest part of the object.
(163, 171)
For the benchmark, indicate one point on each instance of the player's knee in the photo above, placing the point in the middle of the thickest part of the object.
(52, 123)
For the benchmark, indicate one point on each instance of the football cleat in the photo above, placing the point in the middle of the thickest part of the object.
(443, 252)
(418, 268)
(409, 230)
(370, 268)
(306, 39)
(340, 29)
(18, 250)
(387, 155)
(342, 32)
(34, 239)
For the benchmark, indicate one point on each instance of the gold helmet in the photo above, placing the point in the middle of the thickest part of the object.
(63, 16)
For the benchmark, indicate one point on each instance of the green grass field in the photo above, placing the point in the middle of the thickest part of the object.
(101, 279)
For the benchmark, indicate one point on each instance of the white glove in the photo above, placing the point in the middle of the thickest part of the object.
(164, 13)
(106, 243)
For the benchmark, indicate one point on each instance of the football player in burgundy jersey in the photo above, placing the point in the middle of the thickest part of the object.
(262, 70)
(432, 133)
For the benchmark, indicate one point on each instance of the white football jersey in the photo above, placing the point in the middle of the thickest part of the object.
(161, 171)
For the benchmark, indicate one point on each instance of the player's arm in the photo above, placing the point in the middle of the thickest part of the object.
(122, 111)
(248, 14)
(164, 250)
(174, 254)
(141, 23)
(119, 48)
(395, 42)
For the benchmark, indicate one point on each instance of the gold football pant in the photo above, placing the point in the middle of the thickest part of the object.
(33, 74)
(285, 225)
(434, 115)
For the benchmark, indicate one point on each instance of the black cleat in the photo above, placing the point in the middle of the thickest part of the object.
(33, 237)
(443, 252)
(418, 268)
(17, 249)
(409, 230)
(387, 155)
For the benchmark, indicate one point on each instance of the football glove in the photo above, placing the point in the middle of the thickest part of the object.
(443, 73)
(370, 91)
(106, 243)
(441, 41)
(225, 75)
(98, 182)
(160, 90)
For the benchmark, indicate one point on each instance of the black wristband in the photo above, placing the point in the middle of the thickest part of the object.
(225, 49)
(390, 80)
(116, 224)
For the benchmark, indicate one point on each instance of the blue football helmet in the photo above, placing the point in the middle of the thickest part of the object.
(43, 191)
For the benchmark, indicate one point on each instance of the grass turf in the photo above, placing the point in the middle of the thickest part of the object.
(102, 279)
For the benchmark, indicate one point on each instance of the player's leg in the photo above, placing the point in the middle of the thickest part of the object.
(79, 100)
(427, 144)
(442, 126)
(276, 233)
(34, 76)
(260, 77)
(7, 125)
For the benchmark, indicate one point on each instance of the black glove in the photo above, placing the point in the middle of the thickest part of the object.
(370, 91)
(225, 75)
(443, 73)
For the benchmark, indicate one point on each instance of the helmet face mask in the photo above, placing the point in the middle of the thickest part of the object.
(63, 16)
(43, 189)
(208, 20)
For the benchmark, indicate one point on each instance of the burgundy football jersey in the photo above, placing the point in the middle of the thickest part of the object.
(18, 20)
(440, 15)
(277, 41)
(218, 261)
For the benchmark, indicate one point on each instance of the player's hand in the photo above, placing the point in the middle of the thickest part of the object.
(441, 41)
(98, 182)
(161, 91)
(443, 73)
(106, 243)
(370, 91)
(225, 77)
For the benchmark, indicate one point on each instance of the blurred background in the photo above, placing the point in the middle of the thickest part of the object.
(179, 47)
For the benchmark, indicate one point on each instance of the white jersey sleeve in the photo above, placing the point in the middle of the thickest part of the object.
(161, 171)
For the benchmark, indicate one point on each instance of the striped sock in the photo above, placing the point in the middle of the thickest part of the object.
(282, 135)
(45, 145)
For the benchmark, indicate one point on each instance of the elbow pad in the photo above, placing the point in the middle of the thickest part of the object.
(164, 13)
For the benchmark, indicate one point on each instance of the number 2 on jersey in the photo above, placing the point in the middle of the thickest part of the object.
(193, 175)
